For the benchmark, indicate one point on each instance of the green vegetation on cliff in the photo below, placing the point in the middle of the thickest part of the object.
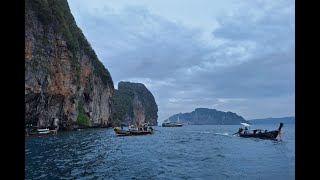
(123, 103)
(122, 106)
(83, 119)
(58, 14)
(205, 116)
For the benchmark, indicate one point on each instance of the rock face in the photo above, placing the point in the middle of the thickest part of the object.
(205, 116)
(134, 104)
(63, 77)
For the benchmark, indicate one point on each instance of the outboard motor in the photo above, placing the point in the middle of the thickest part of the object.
(281, 124)
(279, 129)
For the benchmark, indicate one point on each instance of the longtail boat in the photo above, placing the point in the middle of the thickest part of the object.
(246, 132)
(134, 130)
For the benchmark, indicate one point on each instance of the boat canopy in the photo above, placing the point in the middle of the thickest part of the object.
(257, 130)
(41, 130)
(245, 124)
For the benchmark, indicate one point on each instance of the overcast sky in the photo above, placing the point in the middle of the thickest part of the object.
(230, 55)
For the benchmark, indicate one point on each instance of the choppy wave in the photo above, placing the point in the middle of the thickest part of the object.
(189, 152)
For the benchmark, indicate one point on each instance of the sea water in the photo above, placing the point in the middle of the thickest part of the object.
(188, 152)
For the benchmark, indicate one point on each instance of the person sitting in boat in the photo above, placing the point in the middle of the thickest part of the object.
(245, 130)
(240, 130)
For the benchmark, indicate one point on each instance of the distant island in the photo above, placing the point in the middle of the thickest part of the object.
(285, 120)
(206, 116)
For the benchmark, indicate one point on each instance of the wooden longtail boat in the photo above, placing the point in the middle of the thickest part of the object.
(258, 133)
(134, 130)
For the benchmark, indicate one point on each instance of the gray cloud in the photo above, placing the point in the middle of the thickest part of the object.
(246, 67)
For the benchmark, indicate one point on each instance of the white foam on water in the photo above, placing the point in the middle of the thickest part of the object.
(224, 134)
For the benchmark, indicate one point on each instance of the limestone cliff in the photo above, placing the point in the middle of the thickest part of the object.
(205, 116)
(134, 104)
(63, 77)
